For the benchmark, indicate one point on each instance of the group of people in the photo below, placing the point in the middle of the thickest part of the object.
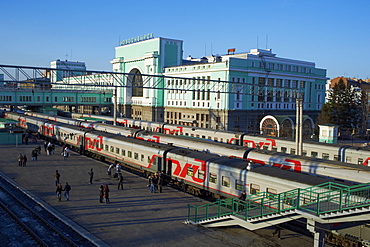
(22, 160)
(49, 148)
(104, 193)
(36, 152)
(65, 152)
(67, 188)
(156, 182)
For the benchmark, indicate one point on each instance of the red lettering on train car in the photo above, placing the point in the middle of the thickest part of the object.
(256, 161)
(23, 122)
(48, 131)
(270, 142)
(366, 162)
(169, 131)
(245, 143)
(182, 172)
(231, 141)
(92, 143)
(297, 167)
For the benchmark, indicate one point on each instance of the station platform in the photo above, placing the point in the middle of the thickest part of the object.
(134, 217)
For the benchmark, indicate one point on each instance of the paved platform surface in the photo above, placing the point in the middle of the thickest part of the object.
(135, 217)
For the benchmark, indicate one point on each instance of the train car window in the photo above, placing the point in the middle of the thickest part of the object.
(255, 189)
(274, 149)
(314, 154)
(360, 161)
(215, 139)
(97, 145)
(192, 135)
(325, 156)
(272, 193)
(292, 151)
(265, 147)
(142, 157)
(101, 144)
(117, 150)
(111, 149)
(337, 157)
(283, 149)
(187, 134)
(348, 159)
(239, 185)
(136, 156)
(123, 152)
(190, 171)
(225, 181)
(304, 152)
(213, 178)
(201, 174)
(106, 147)
(203, 137)
(129, 154)
(198, 136)
(209, 137)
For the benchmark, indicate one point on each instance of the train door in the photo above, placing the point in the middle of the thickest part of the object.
(159, 163)
(168, 171)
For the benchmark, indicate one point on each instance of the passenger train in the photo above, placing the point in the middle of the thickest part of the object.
(199, 173)
(325, 168)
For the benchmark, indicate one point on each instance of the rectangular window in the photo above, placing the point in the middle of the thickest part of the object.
(348, 159)
(129, 154)
(314, 154)
(201, 174)
(136, 156)
(255, 189)
(360, 161)
(106, 147)
(213, 178)
(283, 149)
(292, 151)
(142, 157)
(225, 181)
(272, 193)
(325, 156)
(337, 157)
(117, 150)
(123, 152)
(239, 185)
(111, 149)
(190, 171)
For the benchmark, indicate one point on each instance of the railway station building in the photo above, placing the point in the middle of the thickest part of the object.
(252, 91)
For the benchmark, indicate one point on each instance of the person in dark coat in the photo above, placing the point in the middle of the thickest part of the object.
(120, 181)
(66, 190)
(101, 193)
(106, 193)
(91, 174)
(34, 154)
(59, 190)
(160, 180)
(24, 160)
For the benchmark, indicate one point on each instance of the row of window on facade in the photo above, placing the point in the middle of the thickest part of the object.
(47, 99)
(283, 67)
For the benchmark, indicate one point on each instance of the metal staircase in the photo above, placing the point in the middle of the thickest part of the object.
(326, 203)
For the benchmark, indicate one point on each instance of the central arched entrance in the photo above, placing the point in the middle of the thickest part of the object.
(136, 80)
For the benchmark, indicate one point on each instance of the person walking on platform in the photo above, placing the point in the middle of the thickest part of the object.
(277, 230)
(34, 154)
(38, 150)
(66, 189)
(109, 171)
(66, 153)
(118, 170)
(20, 160)
(120, 182)
(101, 193)
(106, 194)
(91, 174)
(49, 149)
(56, 177)
(46, 147)
(151, 184)
(59, 190)
(24, 160)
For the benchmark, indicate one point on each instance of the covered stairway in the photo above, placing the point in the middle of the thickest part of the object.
(326, 203)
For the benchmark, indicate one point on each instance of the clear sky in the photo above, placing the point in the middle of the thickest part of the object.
(333, 34)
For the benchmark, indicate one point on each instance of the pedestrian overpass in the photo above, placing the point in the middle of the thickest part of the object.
(325, 203)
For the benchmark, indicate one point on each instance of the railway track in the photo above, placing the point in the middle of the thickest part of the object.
(32, 223)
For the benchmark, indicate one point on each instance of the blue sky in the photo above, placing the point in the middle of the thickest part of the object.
(333, 34)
